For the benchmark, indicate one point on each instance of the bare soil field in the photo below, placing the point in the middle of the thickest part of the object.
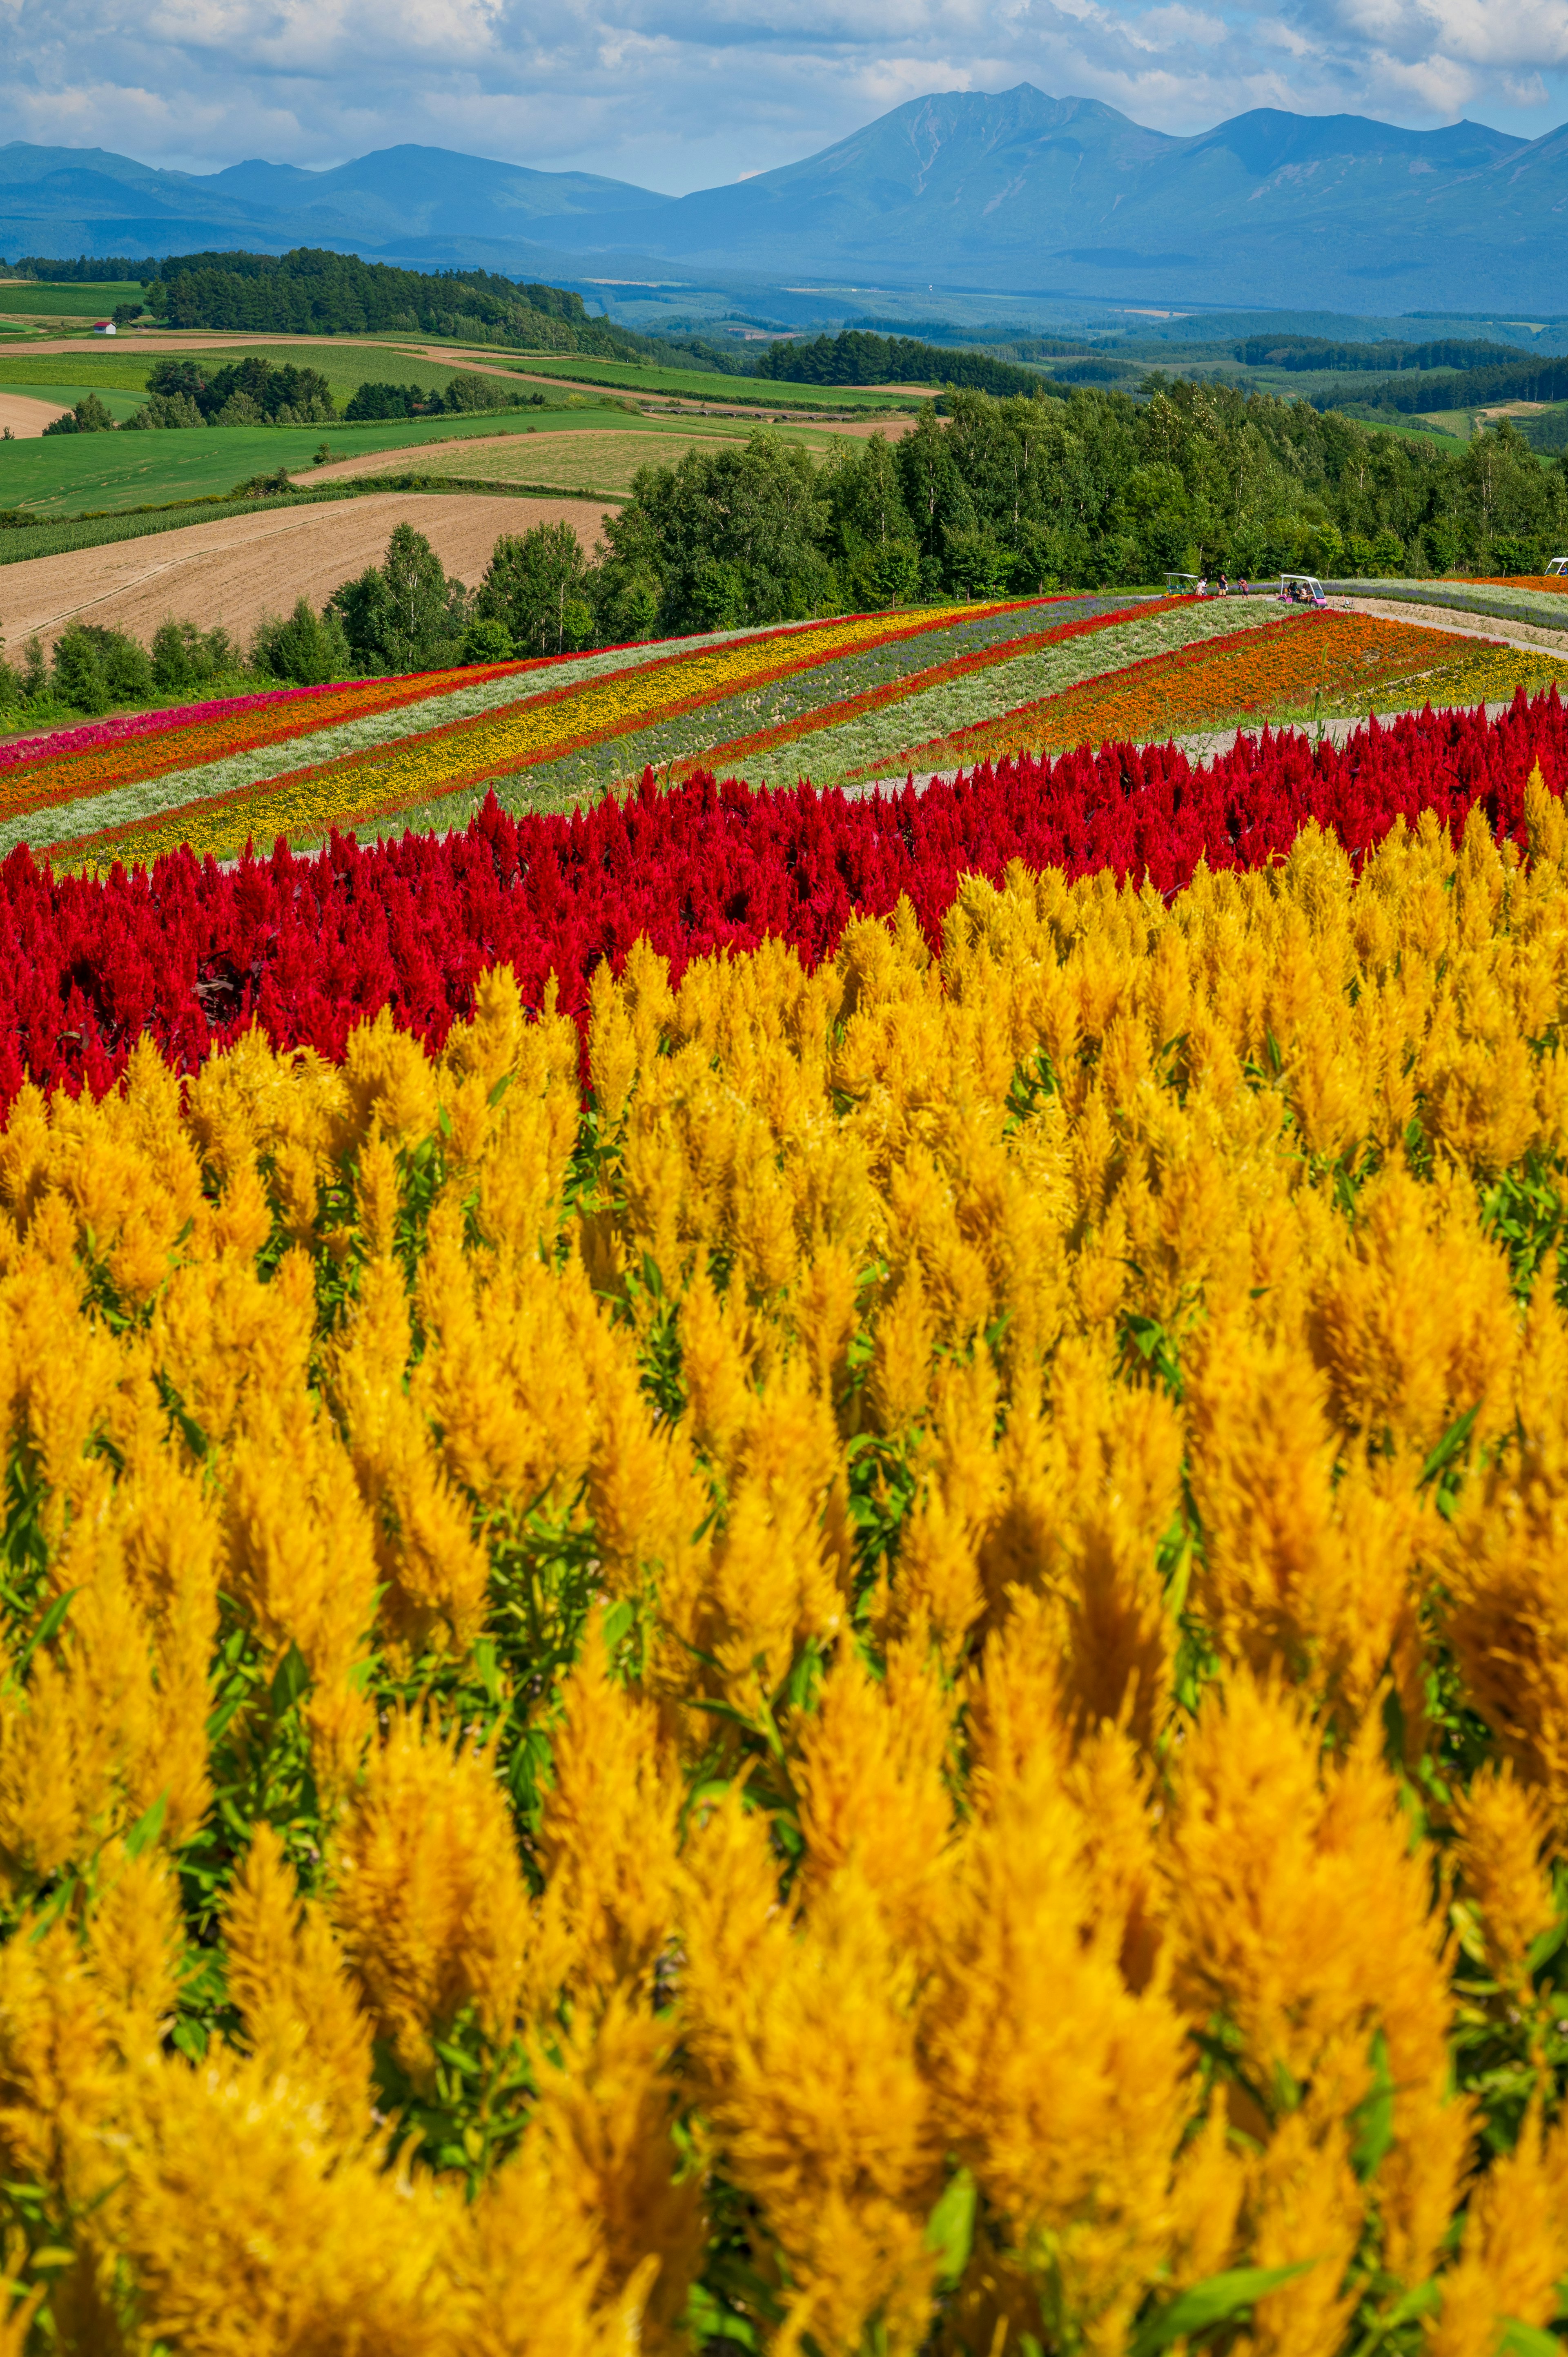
(26, 418)
(233, 572)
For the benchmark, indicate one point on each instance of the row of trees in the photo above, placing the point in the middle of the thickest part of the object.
(1005, 497)
(311, 291)
(858, 357)
(253, 392)
(466, 392)
(1090, 489)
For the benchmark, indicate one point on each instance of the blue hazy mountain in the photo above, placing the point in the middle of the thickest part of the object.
(1007, 192)
(428, 205)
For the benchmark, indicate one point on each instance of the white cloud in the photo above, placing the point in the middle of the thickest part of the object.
(691, 95)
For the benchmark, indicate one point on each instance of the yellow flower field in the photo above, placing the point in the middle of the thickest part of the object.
(901, 1684)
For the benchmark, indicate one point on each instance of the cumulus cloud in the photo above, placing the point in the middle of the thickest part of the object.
(687, 93)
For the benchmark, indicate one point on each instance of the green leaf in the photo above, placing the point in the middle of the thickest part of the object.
(486, 1669)
(47, 1628)
(1541, 1949)
(1521, 2340)
(500, 1089)
(1374, 2114)
(950, 2229)
(147, 1827)
(290, 1680)
(1217, 2300)
(1448, 1447)
(709, 2322)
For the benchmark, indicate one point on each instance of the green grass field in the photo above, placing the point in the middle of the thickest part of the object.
(119, 403)
(87, 301)
(63, 476)
(344, 365)
(348, 365)
(1460, 423)
(97, 368)
(700, 385)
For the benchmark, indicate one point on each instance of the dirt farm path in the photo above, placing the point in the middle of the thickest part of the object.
(1453, 618)
(236, 570)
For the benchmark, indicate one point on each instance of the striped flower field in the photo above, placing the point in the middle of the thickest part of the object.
(784, 1571)
(853, 698)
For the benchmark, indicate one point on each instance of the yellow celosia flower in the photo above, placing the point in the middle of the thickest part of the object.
(428, 1896)
(1024, 1411)
(1505, 1834)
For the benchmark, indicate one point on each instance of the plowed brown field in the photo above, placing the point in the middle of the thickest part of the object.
(235, 571)
(26, 418)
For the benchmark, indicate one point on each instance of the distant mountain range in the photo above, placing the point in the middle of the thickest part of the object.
(1009, 193)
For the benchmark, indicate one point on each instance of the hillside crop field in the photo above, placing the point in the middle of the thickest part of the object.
(87, 300)
(65, 397)
(65, 474)
(582, 451)
(788, 1573)
(704, 384)
(234, 569)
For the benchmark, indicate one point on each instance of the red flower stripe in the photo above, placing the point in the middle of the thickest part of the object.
(55, 743)
(435, 762)
(308, 947)
(223, 730)
(897, 691)
(216, 741)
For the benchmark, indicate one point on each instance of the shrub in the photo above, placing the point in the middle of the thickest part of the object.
(165, 410)
(95, 667)
(89, 416)
(183, 657)
(307, 647)
(469, 390)
(486, 641)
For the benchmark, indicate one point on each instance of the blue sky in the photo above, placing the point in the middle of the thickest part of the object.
(689, 95)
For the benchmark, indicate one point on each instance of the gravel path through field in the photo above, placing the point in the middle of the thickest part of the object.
(236, 570)
(1454, 617)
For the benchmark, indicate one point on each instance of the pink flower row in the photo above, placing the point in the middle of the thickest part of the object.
(57, 741)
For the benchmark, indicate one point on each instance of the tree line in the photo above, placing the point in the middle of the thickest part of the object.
(858, 357)
(1088, 488)
(1527, 379)
(1005, 497)
(1298, 354)
(259, 392)
(311, 291)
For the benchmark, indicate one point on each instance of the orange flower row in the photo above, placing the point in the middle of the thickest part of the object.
(1276, 669)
